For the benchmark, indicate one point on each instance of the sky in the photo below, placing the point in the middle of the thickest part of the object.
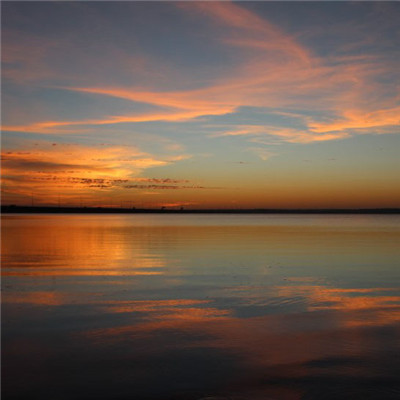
(201, 104)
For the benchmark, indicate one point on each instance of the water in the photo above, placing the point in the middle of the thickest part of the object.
(200, 306)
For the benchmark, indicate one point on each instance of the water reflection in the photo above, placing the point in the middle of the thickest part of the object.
(247, 308)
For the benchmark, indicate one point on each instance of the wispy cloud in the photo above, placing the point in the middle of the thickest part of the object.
(64, 127)
(161, 180)
(276, 71)
(24, 57)
(249, 29)
(264, 154)
(45, 169)
(359, 119)
(167, 187)
(177, 204)
(260, 134)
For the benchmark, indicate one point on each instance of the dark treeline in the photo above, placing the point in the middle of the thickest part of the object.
(107, 210)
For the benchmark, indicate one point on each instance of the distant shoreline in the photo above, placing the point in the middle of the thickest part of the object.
(12, 209)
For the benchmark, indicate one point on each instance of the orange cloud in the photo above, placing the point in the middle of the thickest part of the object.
(291, 77)
(358, 119)
(178, 204)
(291, 135)
(46, 170)
(53, 127)
(272, 70)
(249, 29)
(254, 83)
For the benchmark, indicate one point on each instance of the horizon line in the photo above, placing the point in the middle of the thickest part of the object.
(12, 208)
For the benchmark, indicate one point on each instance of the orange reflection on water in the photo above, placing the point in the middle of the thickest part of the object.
(326, 298)
(162, 318)
(271, 348)
(73, 245)
(78, 272)
(335, 326)
(162, 306)
(37, 298)
(261, 295)
(377, 318)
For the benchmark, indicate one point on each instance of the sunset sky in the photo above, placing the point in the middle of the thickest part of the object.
(201, 104)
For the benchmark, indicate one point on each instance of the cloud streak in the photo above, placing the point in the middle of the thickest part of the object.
(276, 71)
(45, 169)
(261, 133)
(167, 187)
(64, 127)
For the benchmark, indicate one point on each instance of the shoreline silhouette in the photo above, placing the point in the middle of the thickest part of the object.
(10, 209)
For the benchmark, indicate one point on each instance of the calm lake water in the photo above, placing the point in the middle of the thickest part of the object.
(200, 306)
